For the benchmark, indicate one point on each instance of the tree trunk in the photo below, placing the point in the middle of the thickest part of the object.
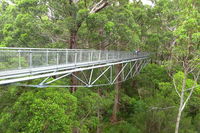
(117, 90)
(99, 113)
(178, 120)
(76, 130)
(181, 104)
(180, 110)
(98, 127)
(73, 45)
(73, 40)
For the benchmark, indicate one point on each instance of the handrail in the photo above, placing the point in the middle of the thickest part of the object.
(26, 58)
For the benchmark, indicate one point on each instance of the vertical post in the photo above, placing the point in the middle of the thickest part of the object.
(123, 72)
(88, 56)
(111, 73)
(91, 54)
(117, 55)
(80, 59)
(66, 57)
(30, 58)
(47, 57)
(75, 60)
(107, 56)
(19, 56)
(112, 55)
(99, 55)
(131, 73)
(57, 58)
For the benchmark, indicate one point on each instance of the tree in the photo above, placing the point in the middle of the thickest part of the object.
(20, 24)
(186, 55)
(184, 88)
(73, 13)
(46, 110)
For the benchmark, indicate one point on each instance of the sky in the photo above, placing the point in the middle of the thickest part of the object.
(8, 1)
(146, 2)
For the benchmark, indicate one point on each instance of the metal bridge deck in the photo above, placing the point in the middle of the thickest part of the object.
(21, 64)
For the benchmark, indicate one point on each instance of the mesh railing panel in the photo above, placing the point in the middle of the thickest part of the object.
(25, 58)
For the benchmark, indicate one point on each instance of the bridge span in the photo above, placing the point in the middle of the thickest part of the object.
(23, 64)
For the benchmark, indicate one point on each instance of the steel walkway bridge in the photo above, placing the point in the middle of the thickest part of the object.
(87, 66)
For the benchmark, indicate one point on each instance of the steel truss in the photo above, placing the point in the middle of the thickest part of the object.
(23, 64)
(91, 77)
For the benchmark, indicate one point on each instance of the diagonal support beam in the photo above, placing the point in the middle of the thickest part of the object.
(91, 74)
(131, 64)
(130, 71)
(80, 79)
(106, 76)
(119, 73)
(136, 70)
(143, 65)
(101, 75)
(44, 81)
(57, 79)
(85, 77)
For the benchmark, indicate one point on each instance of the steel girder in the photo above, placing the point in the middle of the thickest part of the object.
(30, 75)
(90, 77)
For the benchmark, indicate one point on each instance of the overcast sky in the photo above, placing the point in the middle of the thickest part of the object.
(8, 1)
(146, 2)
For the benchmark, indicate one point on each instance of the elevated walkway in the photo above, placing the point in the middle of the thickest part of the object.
(22, 64)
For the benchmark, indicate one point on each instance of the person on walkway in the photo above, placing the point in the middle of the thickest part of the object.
(137, 51)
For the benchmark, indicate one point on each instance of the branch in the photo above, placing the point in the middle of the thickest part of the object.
(176, 88)
(191, 88)
(59, 39)
(191, 91)
(100, 5)
(193, 67)
(196, 77)
(158, 108)
(83, 119)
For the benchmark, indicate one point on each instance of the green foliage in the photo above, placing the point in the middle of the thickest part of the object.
(169, 29)
(122, 127)
(20, 26)
(89, 103)
(197, 122)
(152, 74)
(46, 110)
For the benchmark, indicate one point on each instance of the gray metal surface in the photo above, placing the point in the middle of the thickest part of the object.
(21, 64)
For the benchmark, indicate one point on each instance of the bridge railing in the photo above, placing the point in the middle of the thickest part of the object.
(27, 58)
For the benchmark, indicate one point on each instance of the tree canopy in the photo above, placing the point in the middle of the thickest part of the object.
(163, 98)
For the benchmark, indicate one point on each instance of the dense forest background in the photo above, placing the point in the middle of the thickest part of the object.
(163, 98)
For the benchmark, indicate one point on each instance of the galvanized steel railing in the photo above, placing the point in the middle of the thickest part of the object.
(28, 58)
